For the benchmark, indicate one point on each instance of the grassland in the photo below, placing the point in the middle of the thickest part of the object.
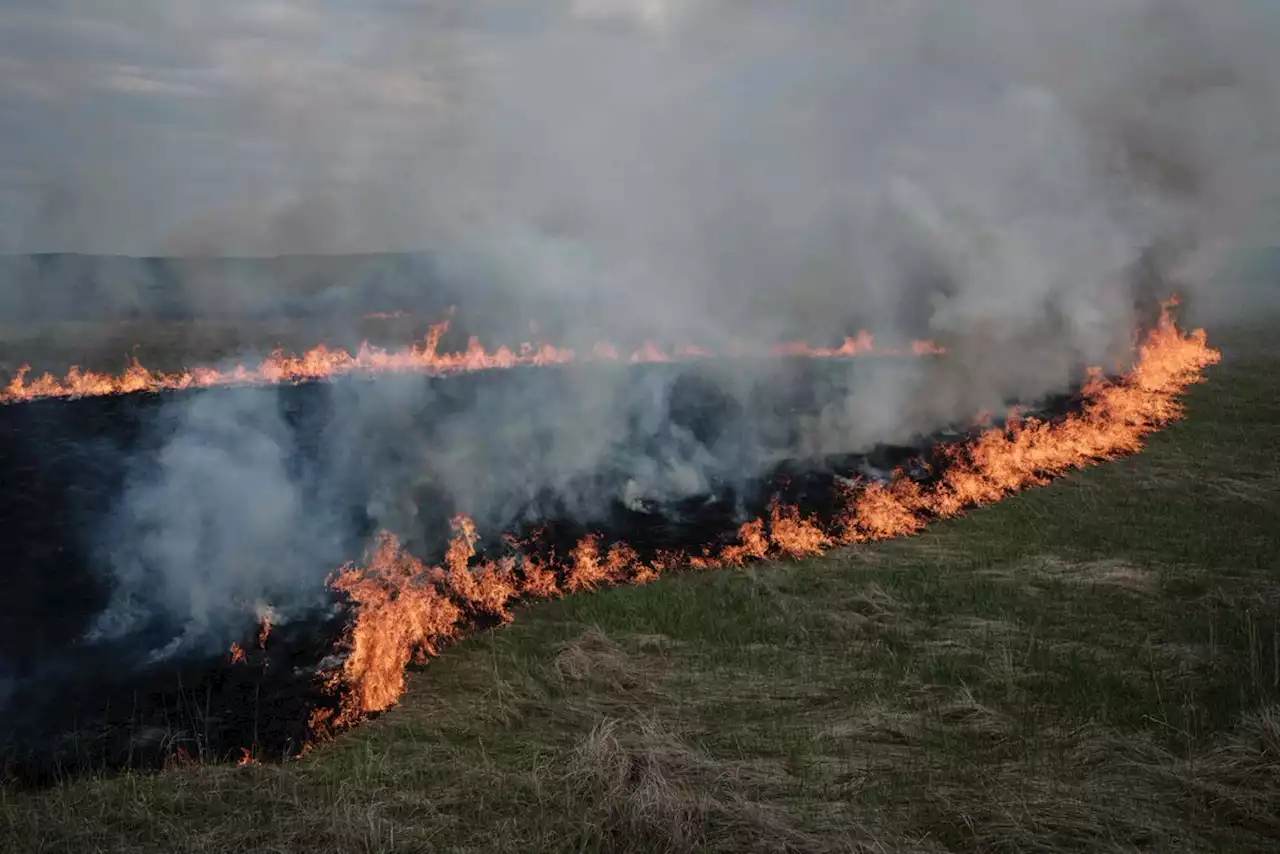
(1092, 666)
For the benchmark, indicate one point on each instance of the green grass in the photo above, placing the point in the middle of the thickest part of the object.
(1091, 666)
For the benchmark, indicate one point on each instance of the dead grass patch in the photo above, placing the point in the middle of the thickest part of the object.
(1115, 573)
(645, 789)
(594, 657)
(885, 732)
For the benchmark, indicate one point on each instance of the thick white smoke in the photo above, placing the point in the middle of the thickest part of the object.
(218, 524)
(990, 174)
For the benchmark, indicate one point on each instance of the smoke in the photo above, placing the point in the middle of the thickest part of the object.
(992, 175)
(713, 170)
(222, 522)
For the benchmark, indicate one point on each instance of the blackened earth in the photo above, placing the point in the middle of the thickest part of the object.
(70, 705)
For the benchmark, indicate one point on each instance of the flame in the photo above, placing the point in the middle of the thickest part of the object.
(402, 614)
(246, 758)
(323, 362)
(927, 348)
(237, 654)
(795, 536)
(405, 611)
(264, 630)
(864, 343)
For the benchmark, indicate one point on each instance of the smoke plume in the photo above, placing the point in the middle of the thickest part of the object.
(1002, 177)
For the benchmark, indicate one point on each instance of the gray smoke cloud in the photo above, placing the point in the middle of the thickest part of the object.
(992, 175)
(218, 524)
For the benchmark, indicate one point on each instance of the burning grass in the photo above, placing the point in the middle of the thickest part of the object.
(324, 362)
(406, 610)
(960, 690)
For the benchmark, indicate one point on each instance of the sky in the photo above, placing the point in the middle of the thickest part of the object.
(153, 126)
(243, 127)
(128, 122)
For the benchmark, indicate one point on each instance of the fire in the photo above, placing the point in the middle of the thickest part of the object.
(753, 544)
(403, 613)
(237, 654)
(864, 343)
(406, 611)
(264, 629)
(927, 348)
(323, 362)
(794, 535)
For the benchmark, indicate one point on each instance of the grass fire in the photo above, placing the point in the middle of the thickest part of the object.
(405, 611)
(629, 425)
(332, 668)
(323, 362)
(292, 683)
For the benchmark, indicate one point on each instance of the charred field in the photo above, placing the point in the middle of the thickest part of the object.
(78, 705)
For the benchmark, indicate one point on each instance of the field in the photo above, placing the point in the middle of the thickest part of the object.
(1091, 666)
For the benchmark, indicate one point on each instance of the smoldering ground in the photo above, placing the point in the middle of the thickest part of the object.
(988, 175)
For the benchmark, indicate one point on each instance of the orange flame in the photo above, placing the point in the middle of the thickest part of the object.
(323, 362)
(405, 611)
(264, 630)
(864, 342)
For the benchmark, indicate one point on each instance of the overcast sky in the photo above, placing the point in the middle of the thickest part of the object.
(127, 124)
(261, 126)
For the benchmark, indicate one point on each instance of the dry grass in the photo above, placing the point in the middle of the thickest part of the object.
(644, 789)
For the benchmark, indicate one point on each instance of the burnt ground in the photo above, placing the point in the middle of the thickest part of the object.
(76, 706)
